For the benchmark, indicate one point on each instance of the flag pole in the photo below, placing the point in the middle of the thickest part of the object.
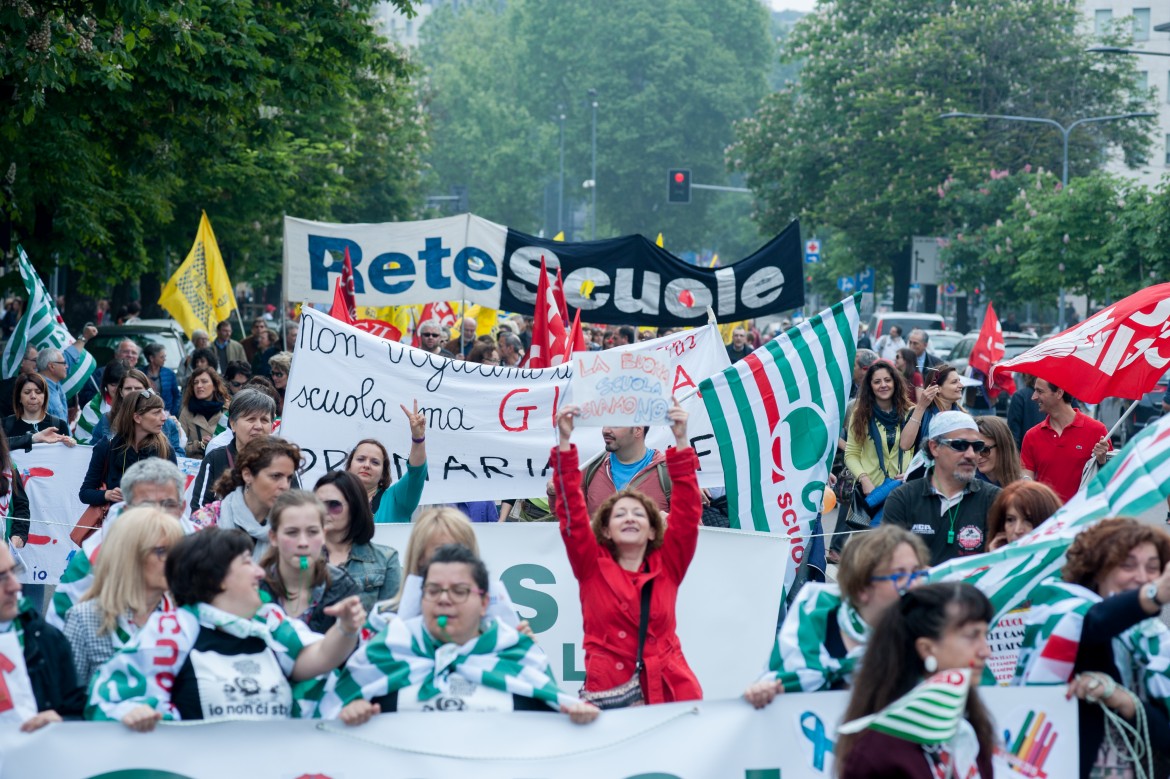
(1124, 417)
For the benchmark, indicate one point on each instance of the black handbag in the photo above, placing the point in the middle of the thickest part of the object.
(630, 693)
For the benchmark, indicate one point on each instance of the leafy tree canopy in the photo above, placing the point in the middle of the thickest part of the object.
(122, 119)
(856, 145)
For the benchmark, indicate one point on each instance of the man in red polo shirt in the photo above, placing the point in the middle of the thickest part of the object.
(1055, 451)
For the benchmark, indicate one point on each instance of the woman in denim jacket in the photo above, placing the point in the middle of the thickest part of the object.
(349, 531)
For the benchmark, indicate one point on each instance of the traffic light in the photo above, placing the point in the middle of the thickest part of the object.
(678, 186)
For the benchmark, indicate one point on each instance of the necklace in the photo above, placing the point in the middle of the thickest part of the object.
(952, 515)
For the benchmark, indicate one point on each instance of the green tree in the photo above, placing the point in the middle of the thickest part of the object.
(857, 143)
(671, 76)
(122, 120)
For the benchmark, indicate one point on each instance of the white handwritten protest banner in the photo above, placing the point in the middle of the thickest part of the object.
(530, 560)
(794, 737)
(621, 389)
(489, 428)
(52, 475)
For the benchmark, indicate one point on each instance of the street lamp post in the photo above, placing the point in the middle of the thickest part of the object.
(561, 184)
(1065, 131)
(593, 177)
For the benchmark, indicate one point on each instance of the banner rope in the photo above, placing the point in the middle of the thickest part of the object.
(327, 727)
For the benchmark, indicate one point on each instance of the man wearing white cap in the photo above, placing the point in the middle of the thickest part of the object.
(948, 508)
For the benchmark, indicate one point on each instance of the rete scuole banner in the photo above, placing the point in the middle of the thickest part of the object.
(468, 258)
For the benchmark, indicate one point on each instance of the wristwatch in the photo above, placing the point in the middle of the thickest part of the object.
(1151, 592)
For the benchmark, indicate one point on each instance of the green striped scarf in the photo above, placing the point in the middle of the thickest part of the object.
(1052, 634)
(132, 676)
(799, 659)
(89, 418)
(404, 654)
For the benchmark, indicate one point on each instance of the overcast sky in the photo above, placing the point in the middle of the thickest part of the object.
(794, 5)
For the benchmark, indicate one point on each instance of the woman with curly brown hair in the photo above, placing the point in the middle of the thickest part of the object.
(1018, 509)
(1097, 630)
(629, 566)
(263, 471)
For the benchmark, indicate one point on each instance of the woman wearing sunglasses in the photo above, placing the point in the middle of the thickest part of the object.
(948, 508)
(129, 586)
(826, 630)
(349, 534)
(279, 365)
(138, 435)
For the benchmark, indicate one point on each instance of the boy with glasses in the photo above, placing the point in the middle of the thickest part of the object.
(947, 509)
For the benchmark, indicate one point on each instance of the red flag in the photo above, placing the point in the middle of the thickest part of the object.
(989, 350)
(340, 310)
(379, 328)
(550, 342)
(441, 311)
(577, 335)
(1120, 351)
(559, 296)
(347, 289)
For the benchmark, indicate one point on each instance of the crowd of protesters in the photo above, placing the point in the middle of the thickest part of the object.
(336, 625)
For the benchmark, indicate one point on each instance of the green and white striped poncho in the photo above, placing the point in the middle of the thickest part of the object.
(799, 658)
(403, 654)
(1052, 635)
(89, 417)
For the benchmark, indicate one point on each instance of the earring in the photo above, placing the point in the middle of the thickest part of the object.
(930, 663)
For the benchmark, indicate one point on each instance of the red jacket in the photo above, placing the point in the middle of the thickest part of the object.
(610, 595)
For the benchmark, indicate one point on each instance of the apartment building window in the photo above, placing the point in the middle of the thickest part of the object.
(1141, 24)
(1102, 20)
(1143, 80)
(1168, 148)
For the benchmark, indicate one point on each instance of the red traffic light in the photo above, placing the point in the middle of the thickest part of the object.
(678, 186)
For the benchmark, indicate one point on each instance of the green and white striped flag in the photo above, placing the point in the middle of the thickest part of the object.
(928, 714)
(776, 415)
(1135, 482)
(42, 327)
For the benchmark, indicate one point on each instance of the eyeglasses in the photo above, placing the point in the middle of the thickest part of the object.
(170, 504)
(160, 552)
(58, 362)
(986, 449)
(15, 572)
(239, 384)
(280, 373)
(146, 393)
(334, 506)
(961, 445)
(902, 580)
(429, 335)
(458, 593)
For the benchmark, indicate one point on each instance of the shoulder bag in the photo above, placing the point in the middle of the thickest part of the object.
(630, 693)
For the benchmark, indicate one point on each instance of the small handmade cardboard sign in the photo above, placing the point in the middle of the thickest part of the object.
(621, 388)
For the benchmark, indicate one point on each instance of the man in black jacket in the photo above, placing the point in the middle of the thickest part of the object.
(948, 508)
(48, 660)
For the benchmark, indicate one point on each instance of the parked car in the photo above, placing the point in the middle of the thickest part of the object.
(163, 331)
(879, 324)
(1148, 410)
(942, 342)
(1014, 345)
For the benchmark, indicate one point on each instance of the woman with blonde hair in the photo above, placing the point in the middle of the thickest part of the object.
(129, 585)
(433, 528)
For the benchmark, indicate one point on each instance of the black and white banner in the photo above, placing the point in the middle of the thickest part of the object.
(627, 280)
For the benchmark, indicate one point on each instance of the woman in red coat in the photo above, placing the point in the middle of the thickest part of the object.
(626, 546)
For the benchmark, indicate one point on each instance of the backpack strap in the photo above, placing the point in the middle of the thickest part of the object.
(591, 471)
(664, 481)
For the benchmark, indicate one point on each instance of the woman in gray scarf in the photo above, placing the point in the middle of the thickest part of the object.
(261, 473)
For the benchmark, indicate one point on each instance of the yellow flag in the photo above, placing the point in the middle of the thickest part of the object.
(559, 236)
(658, 241)
(199, 294)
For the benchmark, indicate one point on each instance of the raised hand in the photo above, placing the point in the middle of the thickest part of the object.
(351, 616)
(678, 423)
(417, 421)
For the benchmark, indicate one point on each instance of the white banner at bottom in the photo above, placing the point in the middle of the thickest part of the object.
(792, 738)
